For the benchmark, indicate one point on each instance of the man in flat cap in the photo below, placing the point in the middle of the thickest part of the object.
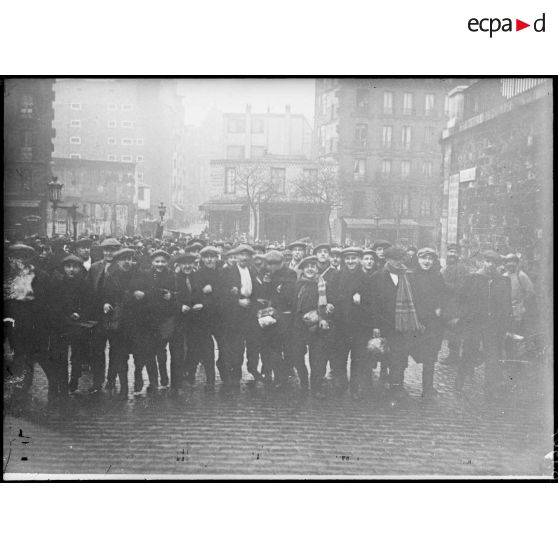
(380, 246)
(239, 314)
(486, 318)
(97, 277)
(353, 318)
(82, 249)
(298, 251)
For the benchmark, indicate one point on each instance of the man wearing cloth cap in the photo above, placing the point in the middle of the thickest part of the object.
(298, 251)
(430, 292)
(70, 299)
(97, 278)
(486, 319)
(396, 316)
(353, 318)
(380, 246)
(83, 250)
(239, 314)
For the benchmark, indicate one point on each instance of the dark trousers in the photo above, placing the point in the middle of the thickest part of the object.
(401, 345)
(275, 349)
(492, 340)
(238, 340)
(118, 355)
(60, 343)
(353, 343)
(200, 348)
(314, 342)
(146, 343)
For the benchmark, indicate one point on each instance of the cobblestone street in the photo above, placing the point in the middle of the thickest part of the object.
(256, 431)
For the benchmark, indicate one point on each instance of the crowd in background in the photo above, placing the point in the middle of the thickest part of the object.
(291, 315)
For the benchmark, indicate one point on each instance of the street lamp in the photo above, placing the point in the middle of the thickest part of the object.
(162, 210)
(74, 220)
(54, 195)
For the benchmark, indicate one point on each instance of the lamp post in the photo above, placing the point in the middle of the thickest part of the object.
(54, 195)
(74, 220)
(162, 210)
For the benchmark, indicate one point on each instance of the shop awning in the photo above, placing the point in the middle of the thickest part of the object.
(356, 223)
(220, 206)
(22, 203)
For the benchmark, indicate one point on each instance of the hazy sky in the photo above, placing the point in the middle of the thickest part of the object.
(232, 95)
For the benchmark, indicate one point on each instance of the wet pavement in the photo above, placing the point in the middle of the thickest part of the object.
(257, 431)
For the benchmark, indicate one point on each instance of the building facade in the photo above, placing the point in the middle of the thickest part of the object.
(258, 199)
(384, 135)
(497, 167)
(100, 196)
(28, 146)
(253, 189)
(136, 121)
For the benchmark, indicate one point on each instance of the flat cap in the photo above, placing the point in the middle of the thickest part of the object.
(491, 255)
(123, 253)
(336, 250)
(297, 243)
(381, 244)
(323, 246)
(209, 251)
(241, 248)
(426, 250)
(395, 253)
(72, 259)
(162, 253)
(352, 250)
(187, 257)
(110, 243)
(369, 252)
(21, 250)
(83, 242)
(274, 256)
(194, 246)
(453, 246)
(308, 260)
(511, 257)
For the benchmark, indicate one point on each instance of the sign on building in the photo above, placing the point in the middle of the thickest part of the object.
(468, 175)
(453, 207)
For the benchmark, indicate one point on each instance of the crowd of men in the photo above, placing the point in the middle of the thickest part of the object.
(292, 312)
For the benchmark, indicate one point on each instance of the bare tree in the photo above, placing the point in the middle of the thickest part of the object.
(321, 187)
(253, 180)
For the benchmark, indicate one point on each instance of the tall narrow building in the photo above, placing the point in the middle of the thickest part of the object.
(384, 134)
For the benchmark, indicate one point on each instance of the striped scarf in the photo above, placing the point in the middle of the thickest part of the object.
(406, 318)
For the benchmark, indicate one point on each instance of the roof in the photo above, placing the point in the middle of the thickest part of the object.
(357, 223)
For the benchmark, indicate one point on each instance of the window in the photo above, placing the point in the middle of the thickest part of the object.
(127, 124)
(236, 126)
(257, 126)
(406, 137)
(361, 133)
(408, 102)
(426, 207)
(141, 193)
(278, 180)
(359, 170)
(127, 141)
(126, 158)
(75, 156)
(405, 169)
(113, 106)
(404, 205)
(428, 137)
(387, 132)
(359, 201)
(126, 107)
(257, 151)
(139, 158)
(427, 168)
(310, 175)
(111, 157)
(362, 96)
(386, 167)
(388, 102)
(230, 180)
(446, 105)
(140, 176)
(26, 107)
(429, 101)
(235, 152)
(75, 140)
(75, 123)
(75, 106)
(139, 141)
(111, 141)
(111, 123)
